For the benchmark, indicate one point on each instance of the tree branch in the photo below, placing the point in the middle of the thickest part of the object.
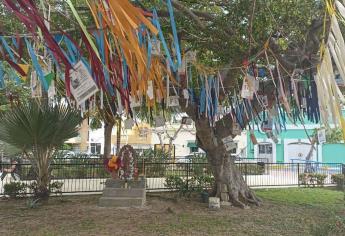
(179, 6)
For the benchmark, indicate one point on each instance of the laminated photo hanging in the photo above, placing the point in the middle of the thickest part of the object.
(51, 90)
(321, 136)
(36, 88)
(253, 83)
(82, 84)
(267, 125)
(245, 91)
(173, 101)
(156, 47)
(229, 144)
(150, 90)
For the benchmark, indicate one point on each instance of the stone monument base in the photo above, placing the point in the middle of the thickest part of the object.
(119, 193)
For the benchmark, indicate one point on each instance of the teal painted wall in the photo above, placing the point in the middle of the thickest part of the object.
(333, 153)
(288, 134)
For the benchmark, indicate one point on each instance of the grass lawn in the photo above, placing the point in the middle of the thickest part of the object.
(290, 211)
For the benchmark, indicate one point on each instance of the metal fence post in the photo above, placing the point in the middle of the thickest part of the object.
(298, 174)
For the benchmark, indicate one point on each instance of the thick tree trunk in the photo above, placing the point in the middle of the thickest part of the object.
(229, 183)
(41, 160)
(108, 127)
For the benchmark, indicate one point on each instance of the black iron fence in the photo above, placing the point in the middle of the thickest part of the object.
(88, 175)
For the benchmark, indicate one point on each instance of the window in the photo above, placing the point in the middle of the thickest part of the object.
(158, 149)
(194, 149)
(96, 148)
(265, 148)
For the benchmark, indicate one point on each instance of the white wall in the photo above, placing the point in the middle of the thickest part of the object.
(180, 142)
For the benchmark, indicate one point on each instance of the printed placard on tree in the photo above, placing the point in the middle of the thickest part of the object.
(246, 92)
(156, 47)
(321, 136)
(229, 144)
(82, 84)
(173, 101)
(35, 84)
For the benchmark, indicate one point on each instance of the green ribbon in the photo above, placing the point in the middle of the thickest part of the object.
(49, 78)
(83, 28)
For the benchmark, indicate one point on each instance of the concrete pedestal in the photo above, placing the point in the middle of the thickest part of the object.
(119, 193)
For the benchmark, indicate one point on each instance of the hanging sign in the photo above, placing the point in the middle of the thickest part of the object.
(82, 84)
(173, 101)
(51, 90)
(229, 144)
(36, 89)
(252, 83)
(321, 136)
(246, 91)
(156, 47)
(150, 90)
(267, 125)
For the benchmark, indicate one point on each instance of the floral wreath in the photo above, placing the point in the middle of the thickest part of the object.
(128, 164)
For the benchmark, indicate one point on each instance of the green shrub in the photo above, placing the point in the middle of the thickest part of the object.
(185, 187)
(338, 179)
(15, 189)
(312, 179)
(177, 183)
(54, 187)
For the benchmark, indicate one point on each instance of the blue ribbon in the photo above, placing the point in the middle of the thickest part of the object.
(2, 74)
(14, 41)
(173, 26)
(99, 36)
(162, 39)
(36, 65)
(8, 49)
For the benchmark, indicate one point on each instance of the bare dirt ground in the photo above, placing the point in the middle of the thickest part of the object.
(80, 215)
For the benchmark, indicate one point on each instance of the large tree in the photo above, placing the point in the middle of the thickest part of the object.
(225, 33)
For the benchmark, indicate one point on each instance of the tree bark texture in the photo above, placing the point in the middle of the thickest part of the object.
(41, 159)
(108, 127)
(229, 184)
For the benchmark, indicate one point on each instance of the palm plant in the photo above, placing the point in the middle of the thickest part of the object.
(39, 131)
